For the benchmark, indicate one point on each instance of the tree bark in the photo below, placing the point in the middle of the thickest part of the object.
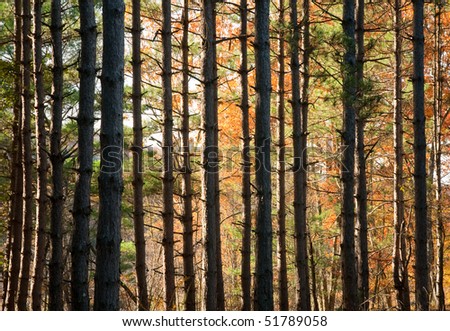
(42, 162)
(57, 160)
(400, 264)
(349, 274)
(138, 182)
(82, 203)
(420, 175)
(168, 241)
(27, 161)
(107, 278)
(281, 168)
(263, 295)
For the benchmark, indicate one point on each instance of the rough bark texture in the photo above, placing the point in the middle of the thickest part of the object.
(27, 160)
(263, 297)
(281, 168)
(400, 260)
(167, 154)
(420, 175)
(82, 204)
(246, 277)
(42, 162)
(361, 185)
(301, 254)
(17, 169)
(57, 160)
(107, 280)
(349, 274)
(138, 182)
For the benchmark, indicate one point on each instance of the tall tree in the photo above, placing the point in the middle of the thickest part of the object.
(17, 168)
(26, 158)
(210, 154)
(301, 254)
(138, 182)
(246, 277)
(57, 160)
(361, 184)
(167, 150)
(107, 278)
(263, 298)
(349, 274)
(281, 168)
(42, 161)
(82, 203)
(420, 175)
(400, 263)
(187, 218)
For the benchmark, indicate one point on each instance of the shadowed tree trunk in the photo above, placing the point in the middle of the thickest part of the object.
(349, 274)
(82, 203)
(263, 297)
(420, 175)
(26, 159)
(400, 264)
(138, 182)
(42, 162)
(107, 278)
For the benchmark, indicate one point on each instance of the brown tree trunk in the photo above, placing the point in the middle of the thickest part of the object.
(400, 264)
(42, 162)
(138, 182)
(107, 277)
(281, 168)
(263, 297)
(168, 241)
(420, 175)
(349, 274)
(27, 160)
(82, 203)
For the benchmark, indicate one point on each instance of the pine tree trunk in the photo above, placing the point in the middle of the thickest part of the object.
(420, 175)
(42, 162)
(57, 160)
(138, 182)
(17, 169)
(26, 159)
(246, 277)
(301, 254)
(107, 278)
(361, 185)
(168, 241)
(281, 171)
(400, 266)
(187, 218)
(263, 297)
(349, 274)
(82, 203)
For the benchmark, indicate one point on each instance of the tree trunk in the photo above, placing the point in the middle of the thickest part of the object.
(187, 218)
(26, 159)
(281, 171)
(107, 278)
(17, 169)
(138, 182)
(313, 274)
(349, 274)
(400, 264)
(263, 299)
(246, 277)
(301, 254)
(82, 203)
(420, 175)
(361, 185)
(42, 162)
(57, 160)
(168, 241)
